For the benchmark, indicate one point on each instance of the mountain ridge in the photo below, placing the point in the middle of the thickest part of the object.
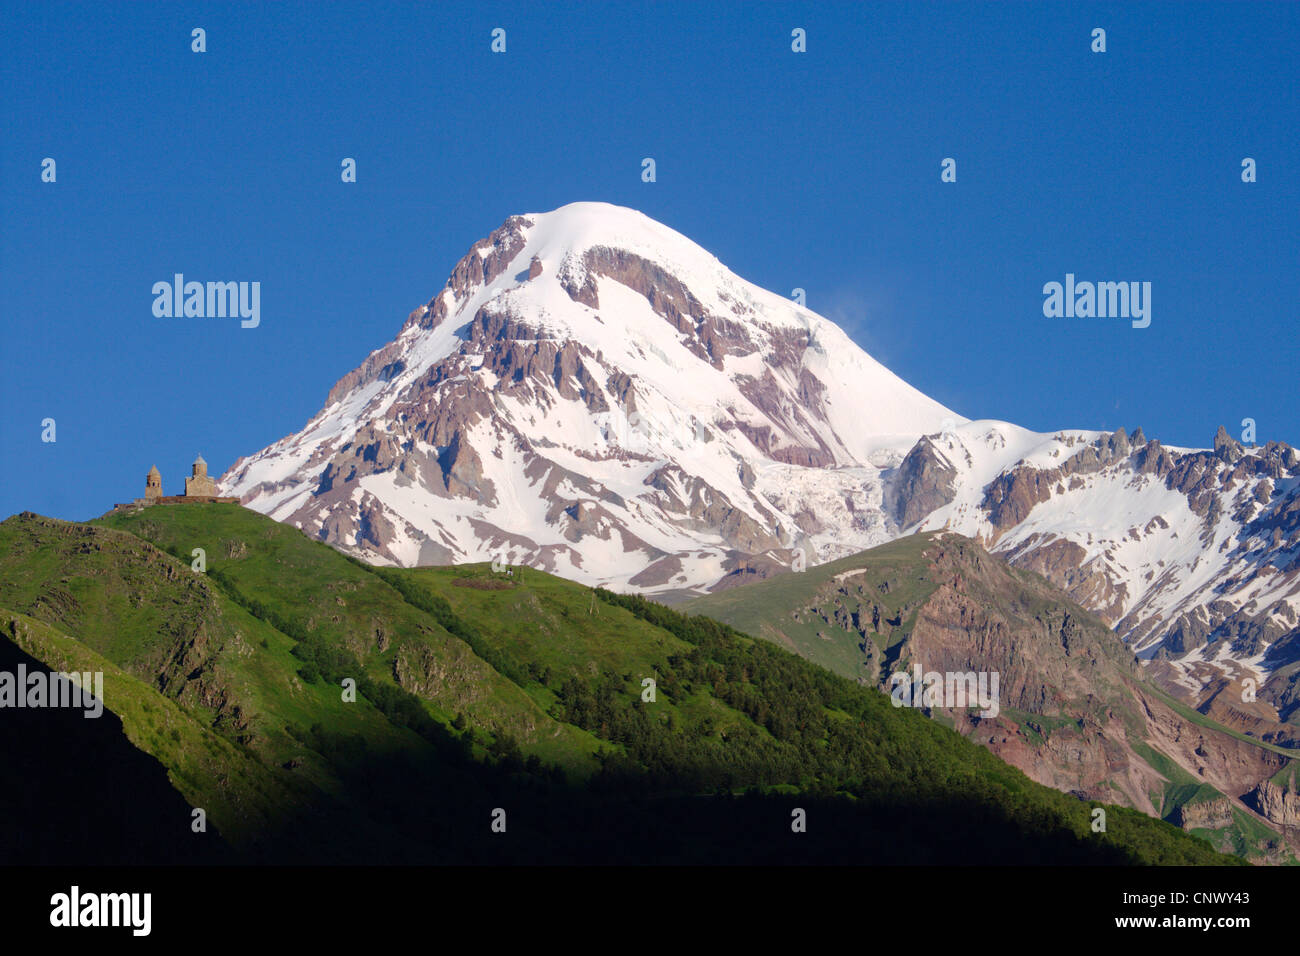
(595, 395)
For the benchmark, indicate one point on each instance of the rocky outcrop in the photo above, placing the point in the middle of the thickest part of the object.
(925, 480)
(486, 260)
(1246, 506)
(694, 504)
(1281, 805)
(1073, 709)
(710, 337)
(1205, 815)
(787, 418)
(1010, 497)
(1065, 563)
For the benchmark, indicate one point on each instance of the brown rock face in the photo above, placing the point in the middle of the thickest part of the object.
(486, 260)
(1229, 764)
(1010, 497)
(462, 471)
(789, 417)
(381, 365)
(1074, 711)
(925, 481)
(711, 337)
(1245, 488)
(1206, 815)
(701, 506)
(580, 288)
(660, 572)
(1281, 805)
(1061, 561)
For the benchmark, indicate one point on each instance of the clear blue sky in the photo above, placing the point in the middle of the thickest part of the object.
(818, 170)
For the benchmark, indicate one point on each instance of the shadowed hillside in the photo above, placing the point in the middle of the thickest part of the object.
(479, 691)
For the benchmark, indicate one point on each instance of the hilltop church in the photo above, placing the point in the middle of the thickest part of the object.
(199, 487)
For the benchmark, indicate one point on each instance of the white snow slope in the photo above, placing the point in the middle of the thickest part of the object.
(688, 412)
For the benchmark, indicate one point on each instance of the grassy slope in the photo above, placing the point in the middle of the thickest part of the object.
(173, 645)
(322, 594)
(732, 714)
(238, 792)
(553, 628)
(763, 607)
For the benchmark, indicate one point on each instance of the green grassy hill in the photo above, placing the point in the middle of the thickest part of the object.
(1075, 710)
(480, 691)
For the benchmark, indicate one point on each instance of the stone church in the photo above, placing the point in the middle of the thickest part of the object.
(199, 487)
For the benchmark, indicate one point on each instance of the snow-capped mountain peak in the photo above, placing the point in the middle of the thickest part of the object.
(594, 394)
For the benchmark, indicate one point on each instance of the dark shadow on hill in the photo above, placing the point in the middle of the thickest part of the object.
(397, 811)
(920, 794)
(75, 790)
